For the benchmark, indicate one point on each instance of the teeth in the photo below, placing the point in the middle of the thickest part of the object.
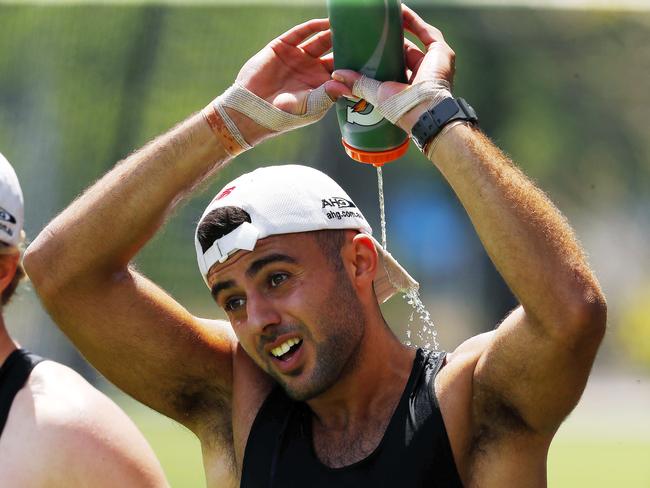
(284, 347)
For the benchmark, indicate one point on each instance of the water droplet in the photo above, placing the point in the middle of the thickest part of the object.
(427, 334)
(382, 213)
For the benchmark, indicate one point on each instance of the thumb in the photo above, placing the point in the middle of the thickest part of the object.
(346, 76)
(336, 89)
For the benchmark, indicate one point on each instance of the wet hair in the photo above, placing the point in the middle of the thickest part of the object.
(223, 220)
(10, 290)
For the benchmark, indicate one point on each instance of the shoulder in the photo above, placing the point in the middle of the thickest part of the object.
(461, 362)
(454, 391)
(454, 382)
(76, 431)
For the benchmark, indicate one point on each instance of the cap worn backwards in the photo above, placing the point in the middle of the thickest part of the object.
(11, 205)
(287, 199)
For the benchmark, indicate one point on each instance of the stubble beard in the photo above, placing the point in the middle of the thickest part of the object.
(342, 320)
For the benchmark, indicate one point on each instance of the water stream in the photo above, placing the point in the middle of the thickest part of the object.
(427, 335)
(382, 210)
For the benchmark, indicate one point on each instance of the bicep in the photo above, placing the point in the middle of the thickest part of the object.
(528, 379)
(147, 344)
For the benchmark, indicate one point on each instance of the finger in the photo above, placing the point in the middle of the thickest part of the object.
(412, 55)
(301, 32)
(318, 45)
(328, 62)
(346, 76)
(336, 89)
(427, 33)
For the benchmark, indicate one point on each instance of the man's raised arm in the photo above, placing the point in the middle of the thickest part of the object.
(532, 371)
(133, 332)
(537, 364)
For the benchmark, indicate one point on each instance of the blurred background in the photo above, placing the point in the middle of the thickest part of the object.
(561, 86)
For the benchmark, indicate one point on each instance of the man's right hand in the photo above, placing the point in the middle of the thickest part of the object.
(285, 72)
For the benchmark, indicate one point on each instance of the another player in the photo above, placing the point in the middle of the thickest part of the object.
(56, 430)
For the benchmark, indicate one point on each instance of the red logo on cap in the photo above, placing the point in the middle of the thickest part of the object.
(224, 193)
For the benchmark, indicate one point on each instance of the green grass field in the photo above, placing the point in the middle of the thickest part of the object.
(604, 463)
(575, 461)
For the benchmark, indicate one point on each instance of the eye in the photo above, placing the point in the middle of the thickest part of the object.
(234, 304)
(277, 278)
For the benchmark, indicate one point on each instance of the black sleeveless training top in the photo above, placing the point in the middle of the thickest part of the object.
(414, 452)
(13, 376)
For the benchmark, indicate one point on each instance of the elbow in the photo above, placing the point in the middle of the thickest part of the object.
(38, 264)
(588, 316)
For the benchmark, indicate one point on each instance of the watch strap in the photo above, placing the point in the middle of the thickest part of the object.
(433, 120)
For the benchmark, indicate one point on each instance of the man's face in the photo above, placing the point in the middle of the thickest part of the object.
(295, 314)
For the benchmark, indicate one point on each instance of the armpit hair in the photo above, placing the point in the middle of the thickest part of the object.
(498, 417)
(196, 401)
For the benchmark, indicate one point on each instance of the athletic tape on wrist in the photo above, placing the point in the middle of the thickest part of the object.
(244, 101)
(223, 133)
(232, 127)
(367, 89)
(395, 107)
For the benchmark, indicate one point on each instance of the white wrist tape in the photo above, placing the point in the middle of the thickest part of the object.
(367, 89)
(244, 101)
(232, 127)
(396, 106)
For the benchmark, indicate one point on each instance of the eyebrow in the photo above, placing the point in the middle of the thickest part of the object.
(219, 286)
(253, 269)
(256, 266)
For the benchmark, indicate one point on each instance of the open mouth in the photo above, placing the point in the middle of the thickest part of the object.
(287, 349)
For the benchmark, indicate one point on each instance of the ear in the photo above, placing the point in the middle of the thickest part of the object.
(362, 255)
(8, 265)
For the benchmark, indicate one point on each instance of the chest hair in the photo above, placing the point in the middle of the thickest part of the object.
(337, 449)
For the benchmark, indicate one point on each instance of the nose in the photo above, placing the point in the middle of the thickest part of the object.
(261, 312)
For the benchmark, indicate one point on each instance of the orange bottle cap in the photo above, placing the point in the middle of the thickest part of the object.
(376, 158)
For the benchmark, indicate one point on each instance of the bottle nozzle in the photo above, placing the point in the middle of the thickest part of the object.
(376, 158)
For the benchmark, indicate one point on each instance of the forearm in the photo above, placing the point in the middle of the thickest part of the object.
(111, 221)
(529, 241)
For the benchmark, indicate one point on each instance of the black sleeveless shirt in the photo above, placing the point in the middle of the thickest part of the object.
(13, 376)
(414, 452)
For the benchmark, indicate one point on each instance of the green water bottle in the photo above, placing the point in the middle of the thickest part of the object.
(368, 37)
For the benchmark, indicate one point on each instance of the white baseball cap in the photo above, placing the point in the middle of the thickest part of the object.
(293, 198)
(11, 205)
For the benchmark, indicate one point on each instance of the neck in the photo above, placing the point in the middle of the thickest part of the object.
(7, 345)
(370, 385)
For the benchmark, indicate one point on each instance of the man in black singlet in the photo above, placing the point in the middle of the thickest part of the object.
(307, 386)
(56, 430)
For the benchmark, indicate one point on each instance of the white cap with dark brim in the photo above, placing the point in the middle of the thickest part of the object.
(11, 205)
(288, 199)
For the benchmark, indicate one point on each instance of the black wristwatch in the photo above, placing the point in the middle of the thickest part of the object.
(433, 120)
